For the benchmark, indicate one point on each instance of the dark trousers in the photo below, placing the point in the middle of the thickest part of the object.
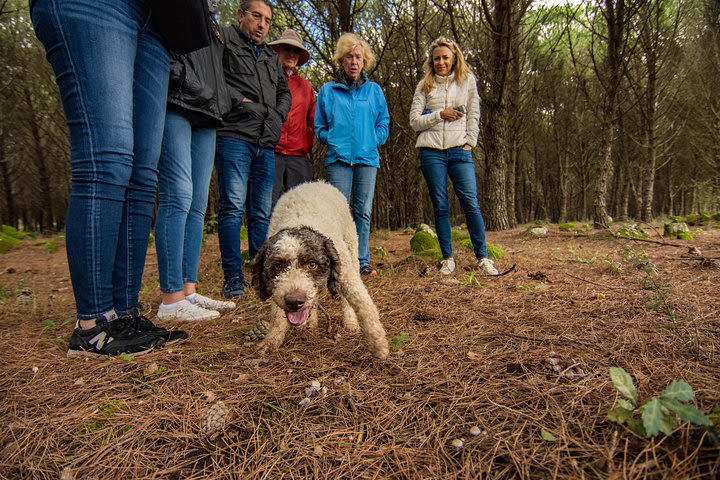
(290, 171)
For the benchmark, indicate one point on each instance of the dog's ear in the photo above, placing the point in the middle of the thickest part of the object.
(259, 280)
(333, 283)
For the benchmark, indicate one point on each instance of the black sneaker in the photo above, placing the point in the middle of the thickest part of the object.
(233, 288)
(368, 270)
(111, 338)
(143, 324)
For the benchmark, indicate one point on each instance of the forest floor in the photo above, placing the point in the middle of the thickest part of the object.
(466, 393)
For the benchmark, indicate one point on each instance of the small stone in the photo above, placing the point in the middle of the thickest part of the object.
(79, 382)
(362, 377)
(150, 369)
(315, 385)
(290, 371)
(323, 391)
(305, 402)
(458, 443)
(475, 431)
(255, 361)
(242, 377)
(309, 392)
(318, 451)
(538, 231)
(10, 270)
(67, 474)
(209, 396)
(35, 369)
(450, 281)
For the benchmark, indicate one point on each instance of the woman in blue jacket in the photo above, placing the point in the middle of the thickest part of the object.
(352, 119)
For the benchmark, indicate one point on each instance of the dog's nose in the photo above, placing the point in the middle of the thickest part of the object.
(295, 302)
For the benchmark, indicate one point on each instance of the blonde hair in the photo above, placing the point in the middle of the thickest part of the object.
(460, 68)
(346, 43)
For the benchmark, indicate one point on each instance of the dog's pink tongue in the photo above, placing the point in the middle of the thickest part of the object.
(299, 317)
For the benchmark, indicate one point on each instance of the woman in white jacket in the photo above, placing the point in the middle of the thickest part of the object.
(446, 113)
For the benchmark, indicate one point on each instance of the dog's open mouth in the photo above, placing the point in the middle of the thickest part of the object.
(298, 318)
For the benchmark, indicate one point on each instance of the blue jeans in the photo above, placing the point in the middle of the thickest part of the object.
(112, 72)
(457, 163)
(357, 181)
(245, 171)
(185, 168)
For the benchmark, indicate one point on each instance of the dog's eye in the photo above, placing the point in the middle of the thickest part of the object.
(278, 267)
(311, 265)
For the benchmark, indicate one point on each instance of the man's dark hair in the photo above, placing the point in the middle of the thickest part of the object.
(244, 5)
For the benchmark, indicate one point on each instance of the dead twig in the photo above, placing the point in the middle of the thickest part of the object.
(595, 283)
(648, 240)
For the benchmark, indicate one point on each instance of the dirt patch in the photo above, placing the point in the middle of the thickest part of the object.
(466, 394)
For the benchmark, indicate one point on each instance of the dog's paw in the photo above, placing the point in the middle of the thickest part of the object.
(353, 328)
(381, 352)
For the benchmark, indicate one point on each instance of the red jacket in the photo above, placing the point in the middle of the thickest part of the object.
(298, 131)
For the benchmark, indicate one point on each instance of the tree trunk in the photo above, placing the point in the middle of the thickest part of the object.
(45, 218)
(599, 207)
(649, 165)
(495, 121)
(10, 216)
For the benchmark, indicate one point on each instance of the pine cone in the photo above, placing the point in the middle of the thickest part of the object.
(258, 332)
(214, 417)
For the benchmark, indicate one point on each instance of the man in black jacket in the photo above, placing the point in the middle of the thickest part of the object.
(245, 160)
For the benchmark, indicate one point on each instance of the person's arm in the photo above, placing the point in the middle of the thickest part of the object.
(473, 115)
(382, 121)
(321, 121)
(283, 98)
(420, 120)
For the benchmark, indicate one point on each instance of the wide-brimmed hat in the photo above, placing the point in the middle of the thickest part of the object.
(290, 37)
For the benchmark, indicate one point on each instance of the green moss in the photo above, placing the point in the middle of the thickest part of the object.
(633, 231)
(151, 240)
(7, 242)
(51, 245)
(716, 217)
(684, 236)
(13, 232)
(379, 252)
(495, 252)
(243, 233)
(425, 244)
(674, 229)
(568, 226)
(458, 235)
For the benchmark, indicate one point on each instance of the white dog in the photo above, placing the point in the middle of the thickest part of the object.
(312, 245)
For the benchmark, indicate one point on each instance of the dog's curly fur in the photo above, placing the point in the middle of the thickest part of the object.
(313, 245)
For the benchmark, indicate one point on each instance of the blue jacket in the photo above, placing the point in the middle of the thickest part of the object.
(352, 122)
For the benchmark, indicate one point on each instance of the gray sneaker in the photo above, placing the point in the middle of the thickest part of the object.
(487, 267)
(447, 266)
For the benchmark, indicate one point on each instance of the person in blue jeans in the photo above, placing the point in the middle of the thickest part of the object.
(245, 158)
(352, 119)
(446, 113)
(112, 72)
(197, 100)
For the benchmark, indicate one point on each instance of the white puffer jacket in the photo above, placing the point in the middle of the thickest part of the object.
(436, 132)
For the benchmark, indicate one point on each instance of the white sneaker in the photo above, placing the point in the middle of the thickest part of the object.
(209, 303)
(447, 266)
(186, 311)
(486, 266)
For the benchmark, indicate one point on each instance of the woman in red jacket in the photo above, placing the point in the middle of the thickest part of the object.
(292, 165)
